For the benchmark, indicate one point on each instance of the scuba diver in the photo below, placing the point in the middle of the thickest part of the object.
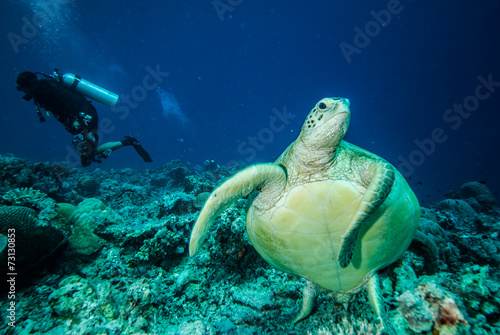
(64, 96)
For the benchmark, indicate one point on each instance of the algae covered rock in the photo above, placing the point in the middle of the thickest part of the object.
(478, 196)
(458, 207)
(71, 296)
(170, 241)
(431, 308)
(178, 203)
(195, 327)
(64, 210)
(480, 290)
(87, 186)
(416, 311)
(201, 199)
(89, 214)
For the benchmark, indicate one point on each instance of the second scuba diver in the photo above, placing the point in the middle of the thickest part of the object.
(75, 112)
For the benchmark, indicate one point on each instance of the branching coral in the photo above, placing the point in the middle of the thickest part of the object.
(24, 196)
(31, 198)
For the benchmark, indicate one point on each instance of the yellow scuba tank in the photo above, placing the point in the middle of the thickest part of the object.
(88, 89)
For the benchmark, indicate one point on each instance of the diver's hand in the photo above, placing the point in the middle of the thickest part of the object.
(77, 126)
(106, 153)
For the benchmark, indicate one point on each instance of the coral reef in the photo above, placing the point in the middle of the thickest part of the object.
(126, 268)
(46, 177)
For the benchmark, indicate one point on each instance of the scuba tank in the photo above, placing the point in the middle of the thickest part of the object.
(88, 89)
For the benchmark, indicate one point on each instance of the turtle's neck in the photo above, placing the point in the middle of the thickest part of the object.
(308, 160)
(313, 154)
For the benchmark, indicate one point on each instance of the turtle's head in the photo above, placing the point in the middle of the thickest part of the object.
(327, 123)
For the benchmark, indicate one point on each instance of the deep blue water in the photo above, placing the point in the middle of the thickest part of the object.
(234, 65)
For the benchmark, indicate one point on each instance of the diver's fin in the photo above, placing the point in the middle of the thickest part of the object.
(131, 140)
(143, 153)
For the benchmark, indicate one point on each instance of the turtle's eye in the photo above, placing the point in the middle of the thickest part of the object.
(322, 105)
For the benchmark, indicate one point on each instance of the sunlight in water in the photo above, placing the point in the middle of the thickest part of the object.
(171, 107)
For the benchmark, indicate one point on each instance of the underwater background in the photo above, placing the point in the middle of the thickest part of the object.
(423, 80)
(230, 66)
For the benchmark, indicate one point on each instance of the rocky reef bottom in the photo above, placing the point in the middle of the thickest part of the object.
(106, 252)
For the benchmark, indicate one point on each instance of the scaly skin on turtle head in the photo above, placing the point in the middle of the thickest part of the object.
(326, 124)
(314, 150)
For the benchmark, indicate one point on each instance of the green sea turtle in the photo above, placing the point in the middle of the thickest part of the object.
(327, 210)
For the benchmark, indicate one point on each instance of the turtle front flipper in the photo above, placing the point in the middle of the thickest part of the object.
(381, 176)
(262, 177)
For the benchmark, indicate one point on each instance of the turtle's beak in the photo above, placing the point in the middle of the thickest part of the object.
(342, 106)
(344, 101)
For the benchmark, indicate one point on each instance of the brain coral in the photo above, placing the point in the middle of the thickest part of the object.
(33, 240)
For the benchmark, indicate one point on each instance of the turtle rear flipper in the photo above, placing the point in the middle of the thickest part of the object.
(424, 246)
(255, 177)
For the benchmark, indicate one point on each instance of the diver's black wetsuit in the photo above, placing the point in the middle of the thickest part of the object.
(75, 112)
